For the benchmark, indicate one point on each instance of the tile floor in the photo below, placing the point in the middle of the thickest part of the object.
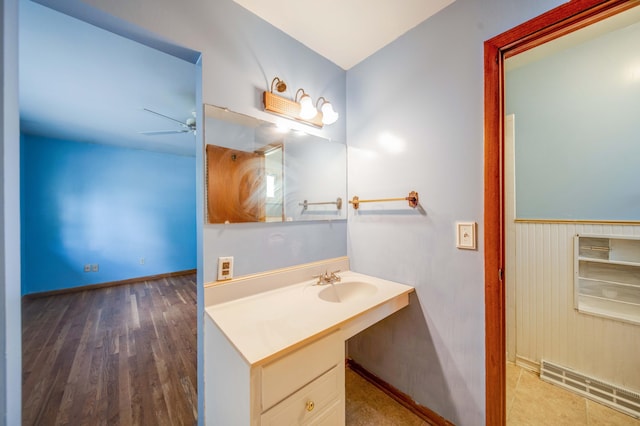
(530, 401)
(367, 405)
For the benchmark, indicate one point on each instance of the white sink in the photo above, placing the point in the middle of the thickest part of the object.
(347, 291)
(268, 315)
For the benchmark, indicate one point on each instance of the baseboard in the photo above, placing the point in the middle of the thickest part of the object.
(108, 284)
(429, 416)
(528, 364)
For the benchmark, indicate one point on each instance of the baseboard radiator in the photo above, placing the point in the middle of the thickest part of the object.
(617, 398)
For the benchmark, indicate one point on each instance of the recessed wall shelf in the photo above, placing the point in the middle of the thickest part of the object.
(607, 276)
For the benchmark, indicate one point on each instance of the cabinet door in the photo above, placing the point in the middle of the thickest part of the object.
(309, 403)
(332, 416)
(288, 374)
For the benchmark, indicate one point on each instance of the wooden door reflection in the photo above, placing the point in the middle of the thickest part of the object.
(235, 185)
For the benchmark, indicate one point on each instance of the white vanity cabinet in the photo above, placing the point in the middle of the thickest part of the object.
(274, 343)
(302, 387)
(607, 276)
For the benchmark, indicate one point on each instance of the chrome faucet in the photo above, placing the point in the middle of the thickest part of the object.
(327, 278)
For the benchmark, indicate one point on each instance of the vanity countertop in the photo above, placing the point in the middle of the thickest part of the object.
(267, 324)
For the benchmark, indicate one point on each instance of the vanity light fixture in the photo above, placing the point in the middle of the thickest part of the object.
(329, 116)
(301, 108)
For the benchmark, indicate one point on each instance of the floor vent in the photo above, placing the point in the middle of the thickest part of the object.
(617, 398)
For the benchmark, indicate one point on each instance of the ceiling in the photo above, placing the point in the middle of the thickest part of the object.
(344, 31)
(82, 83)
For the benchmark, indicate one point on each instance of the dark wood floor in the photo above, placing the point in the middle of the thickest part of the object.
(119, 355)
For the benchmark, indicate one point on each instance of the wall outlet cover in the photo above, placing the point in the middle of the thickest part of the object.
(225, 268)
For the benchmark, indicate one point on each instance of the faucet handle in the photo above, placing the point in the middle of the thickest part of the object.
(321, 278)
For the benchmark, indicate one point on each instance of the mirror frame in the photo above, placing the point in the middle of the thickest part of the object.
(555, 23)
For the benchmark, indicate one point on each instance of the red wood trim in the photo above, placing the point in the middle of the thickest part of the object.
(495, 341)
(109, 284)
(555, 23)
(402, 398)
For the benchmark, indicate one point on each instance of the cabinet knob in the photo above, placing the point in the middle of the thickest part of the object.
(310, 405)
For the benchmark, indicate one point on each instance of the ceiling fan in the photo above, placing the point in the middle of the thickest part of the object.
(189, 125)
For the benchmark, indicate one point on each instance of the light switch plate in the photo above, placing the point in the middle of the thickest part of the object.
(225, 268)
(466, 235)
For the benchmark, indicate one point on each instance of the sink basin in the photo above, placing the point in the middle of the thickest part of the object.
(346, 291)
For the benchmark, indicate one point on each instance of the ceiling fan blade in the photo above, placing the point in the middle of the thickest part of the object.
(163, 132)
(165, 116)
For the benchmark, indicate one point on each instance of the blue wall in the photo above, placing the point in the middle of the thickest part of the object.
(424, 132)
(10, 303)
(86, 203)
(575, 158)
(241, 54)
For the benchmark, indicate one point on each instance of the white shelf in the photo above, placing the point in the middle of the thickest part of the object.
(607, 276)
(608, 309)
(610, 262)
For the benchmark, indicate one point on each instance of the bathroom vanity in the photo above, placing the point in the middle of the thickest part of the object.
(275, 342)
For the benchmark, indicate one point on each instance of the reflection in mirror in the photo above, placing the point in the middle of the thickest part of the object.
(259, 172)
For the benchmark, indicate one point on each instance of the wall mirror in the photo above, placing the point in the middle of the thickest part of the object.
(257, 171)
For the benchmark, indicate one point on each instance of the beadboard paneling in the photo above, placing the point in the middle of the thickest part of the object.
(540, 283)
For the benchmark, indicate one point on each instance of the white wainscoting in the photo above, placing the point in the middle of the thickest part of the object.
(541, 320)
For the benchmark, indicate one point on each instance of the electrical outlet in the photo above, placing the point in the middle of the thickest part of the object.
(87, 268)
(142, 260)
(94, 267)
(225, 268)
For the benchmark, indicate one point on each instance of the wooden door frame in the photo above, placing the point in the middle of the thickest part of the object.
(555, 23)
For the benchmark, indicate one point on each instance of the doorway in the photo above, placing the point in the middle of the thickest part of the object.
(553, 24)
(152, 192)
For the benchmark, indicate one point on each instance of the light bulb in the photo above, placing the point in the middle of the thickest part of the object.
(307, 110)
(329, 116)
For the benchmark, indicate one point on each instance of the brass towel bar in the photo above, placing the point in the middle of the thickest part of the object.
(412, 199)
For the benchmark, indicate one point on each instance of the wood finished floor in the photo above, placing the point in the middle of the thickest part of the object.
(121, 355)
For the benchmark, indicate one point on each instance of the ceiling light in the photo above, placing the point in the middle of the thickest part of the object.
(307, 110)
(329, 116)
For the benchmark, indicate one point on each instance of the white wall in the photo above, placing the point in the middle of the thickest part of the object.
(10, 317)
(547, 325)
(426, 89)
